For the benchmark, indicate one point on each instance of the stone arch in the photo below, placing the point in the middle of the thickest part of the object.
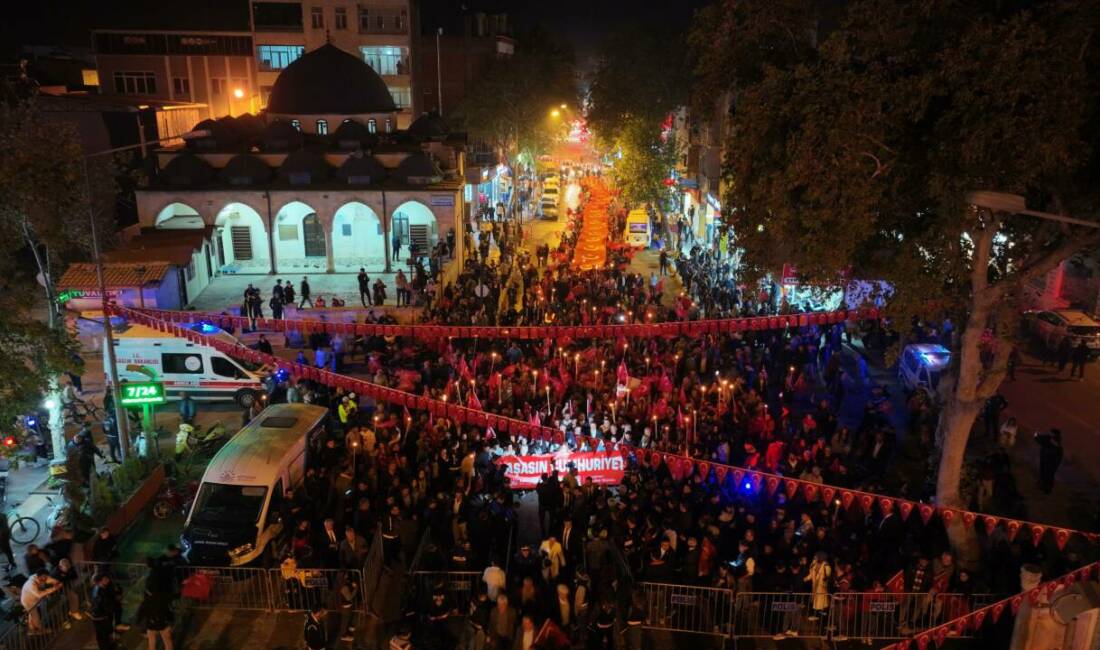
(241, 239)
(415, 221)
(178, 215)
(301, 239)
(358, 239)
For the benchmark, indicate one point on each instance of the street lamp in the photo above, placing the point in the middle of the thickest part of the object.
(555, 113)
(1015, 204)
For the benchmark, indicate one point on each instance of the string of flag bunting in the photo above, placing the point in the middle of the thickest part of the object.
(679, 465)
(971, 622)
(694, 328)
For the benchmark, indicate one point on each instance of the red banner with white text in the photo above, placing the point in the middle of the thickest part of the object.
(603, 467)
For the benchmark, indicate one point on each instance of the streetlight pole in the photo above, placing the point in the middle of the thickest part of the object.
(121, 421)
(439, 69)
(1014, 203)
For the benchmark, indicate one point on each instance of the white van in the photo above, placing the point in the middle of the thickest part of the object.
(235, 519)
(143, 353)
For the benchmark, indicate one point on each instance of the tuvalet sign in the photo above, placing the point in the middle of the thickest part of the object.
(139, 394)
(603, 467)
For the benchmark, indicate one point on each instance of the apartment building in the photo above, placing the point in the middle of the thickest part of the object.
(381, 32)
(214, 68)
(232, 72)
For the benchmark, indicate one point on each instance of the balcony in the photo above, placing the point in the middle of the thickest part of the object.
(383, 24)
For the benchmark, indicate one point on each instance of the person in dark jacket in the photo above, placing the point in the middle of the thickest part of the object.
(155, 611)
(304, 293)
(1050, 457)
(105, 611)
(316, 636)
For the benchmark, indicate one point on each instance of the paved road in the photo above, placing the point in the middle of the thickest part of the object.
(1042, 398)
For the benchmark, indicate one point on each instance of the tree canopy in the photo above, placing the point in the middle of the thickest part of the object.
(852, 150)
(44, 206)
(639, 81)
(509, 107)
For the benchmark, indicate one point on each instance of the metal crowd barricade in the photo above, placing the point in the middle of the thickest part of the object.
(897, 615)
(687, 608)
(769, 614)
(372, 570)
(52, 615)
(458, 586)
(225, 587)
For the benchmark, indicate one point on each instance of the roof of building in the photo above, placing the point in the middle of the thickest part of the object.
(187, 170)
(244, 169)
(329, 81)
(418, 169)
(281, 135)
(179, 255)
(115, 275)
(428, 126)
(361, 170)
(304, 161)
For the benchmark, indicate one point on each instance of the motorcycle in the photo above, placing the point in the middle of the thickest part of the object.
(190, 441)
(174, 500)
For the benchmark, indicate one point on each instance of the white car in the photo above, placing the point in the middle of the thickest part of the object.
(1051, 326)
(921, 365)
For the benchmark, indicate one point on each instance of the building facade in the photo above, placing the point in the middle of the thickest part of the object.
(233, 72)
(216, 69)
(317, 185)
(450, 64)
(380, 32)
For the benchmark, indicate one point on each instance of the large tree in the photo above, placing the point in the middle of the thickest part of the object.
(510, 106)
(44, 215)
(639, 81)
(854, 149)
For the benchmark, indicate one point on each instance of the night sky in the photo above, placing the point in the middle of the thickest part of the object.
(579, 22)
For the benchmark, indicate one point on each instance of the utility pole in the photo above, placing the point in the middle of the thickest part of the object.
(439, 69)
(121, 422)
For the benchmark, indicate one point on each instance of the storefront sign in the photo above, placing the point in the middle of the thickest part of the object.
(443, 200)
(148, 392)
(713, 202)
(603, 467)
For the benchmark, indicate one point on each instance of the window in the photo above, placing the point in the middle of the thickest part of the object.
(372, 125)
(218, 503)
(135, 83)
(275, 506)
(241, 239)
(341, 20)
(386, 59)
(345, 229)
(389, 125)
(191, 271)
(288, 233)
(317, 17)
(185, 364)
(322, 127)
(402, 96)
(225, 368)
(296, 124)
(218, 85)
(277, 57)
(181, 86)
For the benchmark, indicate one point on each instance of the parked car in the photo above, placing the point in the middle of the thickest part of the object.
(1051, 326)
(921, 365)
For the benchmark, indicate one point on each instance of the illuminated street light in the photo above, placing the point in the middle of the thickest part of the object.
(238, 93)
(555, 113)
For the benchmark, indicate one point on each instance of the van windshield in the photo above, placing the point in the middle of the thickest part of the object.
(223, 504)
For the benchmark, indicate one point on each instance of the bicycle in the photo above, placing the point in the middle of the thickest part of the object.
(79, 410)
(24, 530)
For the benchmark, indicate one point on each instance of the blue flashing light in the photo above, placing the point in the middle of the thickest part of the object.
(281, 375)
(207, 328)
(32, 421)
(747, 486)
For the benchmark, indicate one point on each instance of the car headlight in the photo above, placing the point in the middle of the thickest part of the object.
(242, 549)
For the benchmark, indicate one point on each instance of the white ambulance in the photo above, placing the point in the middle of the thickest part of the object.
(143, 353)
